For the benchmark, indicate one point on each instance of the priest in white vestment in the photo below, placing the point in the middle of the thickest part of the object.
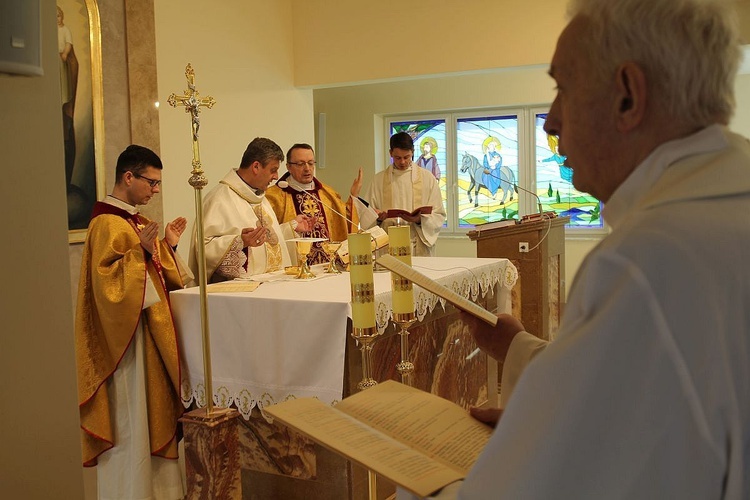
(242, 236)
(645, 392)
(403, 185)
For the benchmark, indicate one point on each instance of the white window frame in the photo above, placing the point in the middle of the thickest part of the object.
(527, 204)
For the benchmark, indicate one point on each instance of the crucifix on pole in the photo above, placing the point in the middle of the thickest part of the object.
(192, 103)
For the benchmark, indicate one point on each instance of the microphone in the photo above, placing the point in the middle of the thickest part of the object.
(285, 184)
(538, 216)
(531, 217)
(538, 200)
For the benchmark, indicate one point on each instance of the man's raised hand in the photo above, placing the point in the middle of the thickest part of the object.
(174, 230)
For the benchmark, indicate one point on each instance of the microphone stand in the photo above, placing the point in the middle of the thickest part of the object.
(538, 200)
(541, 214)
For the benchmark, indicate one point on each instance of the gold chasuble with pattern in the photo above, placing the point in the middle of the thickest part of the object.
(111, 294)
(287, 203)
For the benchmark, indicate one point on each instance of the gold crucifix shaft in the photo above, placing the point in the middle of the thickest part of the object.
(192, 102)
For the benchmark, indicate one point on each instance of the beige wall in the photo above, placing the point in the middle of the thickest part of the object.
(338, 42)
(40, 453)
(242, 55)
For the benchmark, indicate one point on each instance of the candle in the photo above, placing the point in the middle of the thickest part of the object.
(361, 279)
(400, 247)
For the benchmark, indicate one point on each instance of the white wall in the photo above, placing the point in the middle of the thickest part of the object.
(40, 456)
(242, 55)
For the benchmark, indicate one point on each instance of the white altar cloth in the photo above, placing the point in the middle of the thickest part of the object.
(287, 338)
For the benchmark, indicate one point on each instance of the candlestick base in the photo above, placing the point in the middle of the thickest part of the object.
(405, 367)
(366, 338)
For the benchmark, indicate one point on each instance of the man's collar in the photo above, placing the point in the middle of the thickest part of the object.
(257, 191)
(396, 169)
(306, 187)
(116, 202)
(646, 174)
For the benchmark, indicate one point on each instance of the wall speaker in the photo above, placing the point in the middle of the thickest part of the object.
(20, 37)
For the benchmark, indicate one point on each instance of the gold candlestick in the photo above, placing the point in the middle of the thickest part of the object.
(405, 367)
(366, 338)
(364, 329)
(402, 293)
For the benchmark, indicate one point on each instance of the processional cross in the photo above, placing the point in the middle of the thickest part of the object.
(192, 102)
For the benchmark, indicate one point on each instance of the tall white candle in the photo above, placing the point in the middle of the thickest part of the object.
(399, 238)
(361, 279)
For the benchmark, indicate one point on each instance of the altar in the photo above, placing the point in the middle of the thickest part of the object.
(291, 338)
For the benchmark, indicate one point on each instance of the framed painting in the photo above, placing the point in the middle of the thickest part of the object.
(80, 62)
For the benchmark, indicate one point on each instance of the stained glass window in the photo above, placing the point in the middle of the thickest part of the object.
(487, 163)
(554, 182)
(490, 164)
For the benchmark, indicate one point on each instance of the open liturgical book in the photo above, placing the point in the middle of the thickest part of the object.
(378, 239)
(496, 224)
(397, 212)
(414, 439)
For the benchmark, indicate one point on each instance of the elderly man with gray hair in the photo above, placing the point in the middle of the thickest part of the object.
(645, 392)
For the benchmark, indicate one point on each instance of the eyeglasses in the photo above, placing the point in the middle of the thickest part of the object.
(301, 164)
(152, 182)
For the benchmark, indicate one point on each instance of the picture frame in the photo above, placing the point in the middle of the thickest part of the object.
(80, 62)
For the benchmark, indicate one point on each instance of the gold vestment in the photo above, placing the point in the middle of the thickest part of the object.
(110, 299)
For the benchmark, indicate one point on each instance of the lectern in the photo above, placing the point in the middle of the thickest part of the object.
(537, 249)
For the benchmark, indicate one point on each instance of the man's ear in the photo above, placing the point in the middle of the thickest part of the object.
(630, 87)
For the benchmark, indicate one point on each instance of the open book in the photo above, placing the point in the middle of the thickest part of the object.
(414, 439)
(378, 239)
(397, 212)
(496, 224)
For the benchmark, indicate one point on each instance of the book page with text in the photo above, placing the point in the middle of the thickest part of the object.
(372, 449)
(435, 426)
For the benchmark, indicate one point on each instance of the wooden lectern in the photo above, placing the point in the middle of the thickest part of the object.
(539, 295)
